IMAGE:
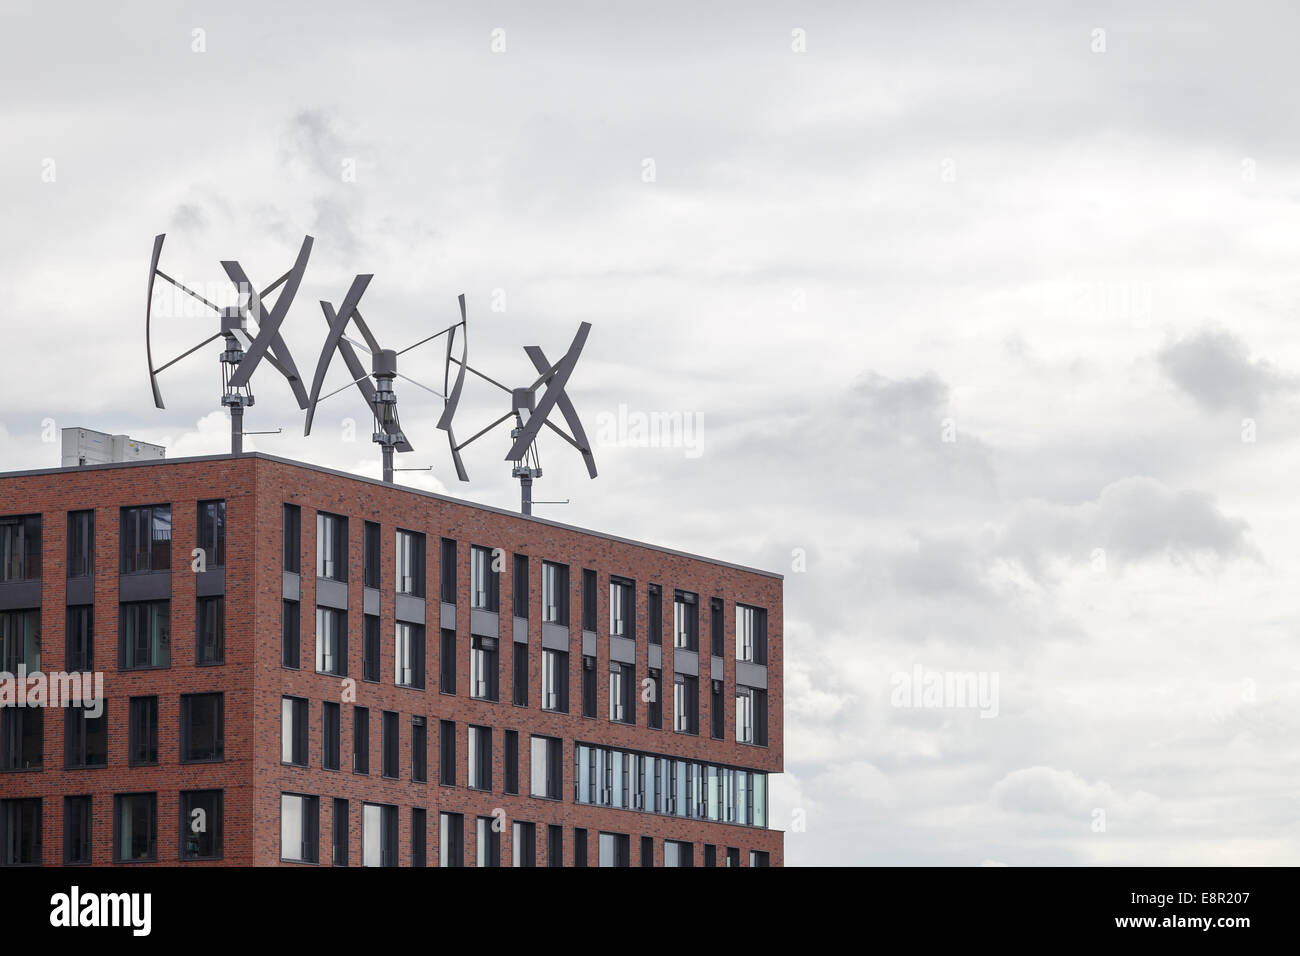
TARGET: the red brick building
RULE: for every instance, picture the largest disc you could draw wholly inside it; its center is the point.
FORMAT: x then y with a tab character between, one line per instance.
303	666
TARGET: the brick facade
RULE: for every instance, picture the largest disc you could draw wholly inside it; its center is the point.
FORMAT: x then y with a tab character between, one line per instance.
255	488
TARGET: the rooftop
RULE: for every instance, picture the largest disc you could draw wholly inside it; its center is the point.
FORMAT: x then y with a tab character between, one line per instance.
403	488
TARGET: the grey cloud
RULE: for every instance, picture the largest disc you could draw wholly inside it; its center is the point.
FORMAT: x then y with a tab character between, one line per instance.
1214	367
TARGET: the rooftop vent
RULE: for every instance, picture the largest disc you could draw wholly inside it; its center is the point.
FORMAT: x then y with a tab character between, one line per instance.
82	446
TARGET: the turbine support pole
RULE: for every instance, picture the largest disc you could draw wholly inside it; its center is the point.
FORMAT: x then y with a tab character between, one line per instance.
236	429
525	494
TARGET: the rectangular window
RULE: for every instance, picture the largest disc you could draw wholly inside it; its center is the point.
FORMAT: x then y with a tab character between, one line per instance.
22	738
579	846
484	579
751	634
733	856
370	648
210	631
419	836
483	668
419	749
299	828
480	758
554	845
331	720
555	593
487	843
146	538
201	824
759	858
451	839
370	557
292	539
79	642
76	830
622	608
447	753
331	547
544	768
360	739
331	641
447	571
744	715
389	744
686	704
715	627
378	834
20	548
81	544
211	533
293	731
622	706
520	674
203	731
520	589
655	610
447	662
588	599
710	855
647	851
655	707
511	761
20	832
717	711
145	635
410	563
678	854
85	738
20	640
143	731
588	686
409	657
555	681
613	849
523	844
290	635
135	828
340	851
686	621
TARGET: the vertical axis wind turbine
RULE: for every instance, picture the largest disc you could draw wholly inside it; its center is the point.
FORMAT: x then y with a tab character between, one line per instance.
237	365
380	395
529	412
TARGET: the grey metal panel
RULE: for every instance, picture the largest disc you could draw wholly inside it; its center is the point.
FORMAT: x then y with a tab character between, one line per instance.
686	662
521	630
145	586
555	637
751	675
447	617
370	601
715	668
656	656
410	609
589	643
19	594
622	650
210	583
332	594
81	590
291	589
484	623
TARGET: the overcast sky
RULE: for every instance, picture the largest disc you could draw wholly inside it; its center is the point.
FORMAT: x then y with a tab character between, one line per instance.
987	312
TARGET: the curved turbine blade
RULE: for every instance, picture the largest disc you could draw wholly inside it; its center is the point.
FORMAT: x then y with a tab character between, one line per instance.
453	394
337	322
148	318
268	326
570	414
554	390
